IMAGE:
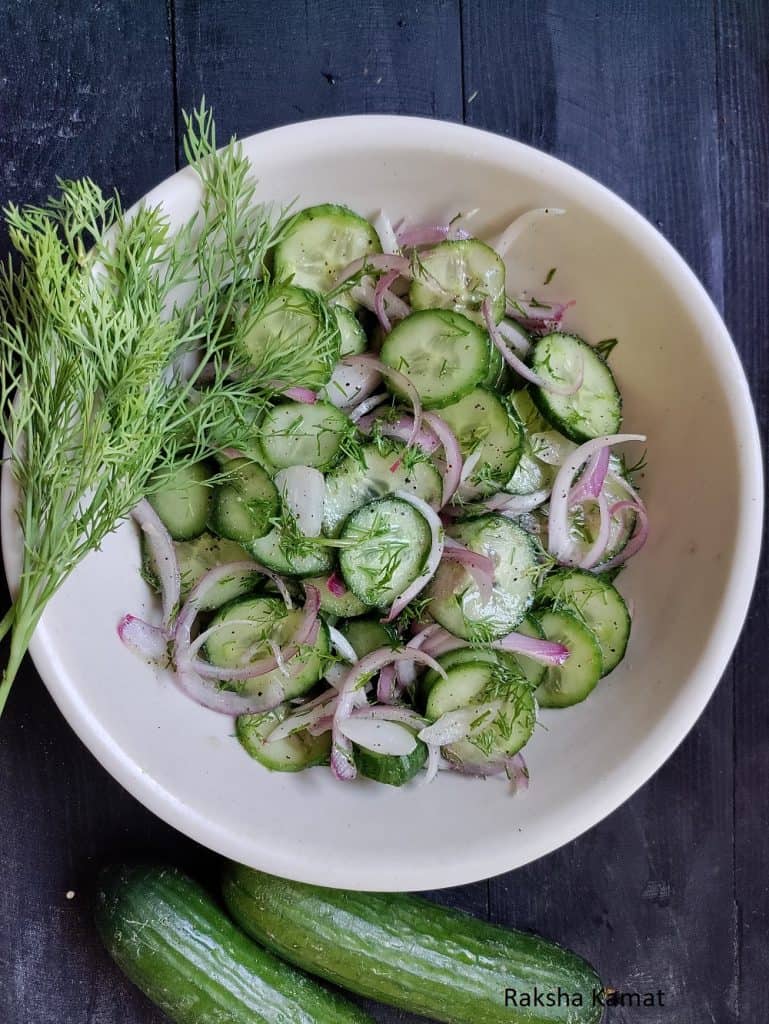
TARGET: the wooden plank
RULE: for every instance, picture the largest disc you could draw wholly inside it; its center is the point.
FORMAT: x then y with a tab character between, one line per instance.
261	65
605	88
84	90
742	32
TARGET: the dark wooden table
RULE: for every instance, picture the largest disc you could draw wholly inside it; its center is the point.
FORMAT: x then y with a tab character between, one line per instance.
668	104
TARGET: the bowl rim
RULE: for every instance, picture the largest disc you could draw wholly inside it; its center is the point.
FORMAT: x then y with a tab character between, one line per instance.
409	132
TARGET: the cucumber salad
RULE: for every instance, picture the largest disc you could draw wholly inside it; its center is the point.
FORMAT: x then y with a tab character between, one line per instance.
394	564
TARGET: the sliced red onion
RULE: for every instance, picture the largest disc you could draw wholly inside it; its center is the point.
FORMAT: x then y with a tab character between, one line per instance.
351	383
361	411
335	674
381	261
590	484
401	381
536	317
406	670
149	641
381	291
429	234
637	541
517	772
342	645
507	239
368	667
433	763
546	652
597	549
306	633
305	718
406	716
225	701
163	554
518	365
386	684
303	395
452	475
458	725
480	566
559	541
342	758
517	504
433	558
363	293
401	430
471	462
303	490
514	339
387	236
379	735
442	642
335	584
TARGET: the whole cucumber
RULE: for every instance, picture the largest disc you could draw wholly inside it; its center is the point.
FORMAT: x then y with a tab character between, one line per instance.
414	954
177	946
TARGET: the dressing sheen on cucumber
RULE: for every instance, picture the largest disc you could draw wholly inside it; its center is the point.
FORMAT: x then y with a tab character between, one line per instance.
176	945
411	953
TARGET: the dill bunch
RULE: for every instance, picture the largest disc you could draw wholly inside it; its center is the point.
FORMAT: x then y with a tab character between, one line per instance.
116	360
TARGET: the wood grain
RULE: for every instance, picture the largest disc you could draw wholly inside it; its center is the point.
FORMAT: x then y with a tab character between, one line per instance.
665	103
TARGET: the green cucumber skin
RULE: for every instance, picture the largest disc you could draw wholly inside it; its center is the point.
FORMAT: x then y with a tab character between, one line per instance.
175	944
409	952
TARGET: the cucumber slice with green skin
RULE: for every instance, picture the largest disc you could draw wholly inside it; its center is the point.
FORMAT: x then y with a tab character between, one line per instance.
570	683
346	606
195	558
388	769
235	644
408	952
355	482
243	508
529	669
496	378
353	339
460	276
443	354
532	419
497	735
455	600
367	635
390	541
321	241
596	603
293	753
295	321
278	552
166	933
182	503
297	434
595	408
483	423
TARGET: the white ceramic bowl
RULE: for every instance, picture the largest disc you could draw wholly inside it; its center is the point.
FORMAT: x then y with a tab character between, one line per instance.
683	385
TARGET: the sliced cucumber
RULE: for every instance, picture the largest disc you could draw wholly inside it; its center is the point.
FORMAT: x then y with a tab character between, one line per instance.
389	769
357	481
442	353
296	434
484	424
596	603
319	242
367	635
595	408
496	735
346	606
353	339
293	753
236	643
390	541
243	507
570	683
460	276
294	321
455	600
282	553
531	473
183	501
195	558
497	377
585	519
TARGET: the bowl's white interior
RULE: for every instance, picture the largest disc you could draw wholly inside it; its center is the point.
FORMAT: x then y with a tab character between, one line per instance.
682	385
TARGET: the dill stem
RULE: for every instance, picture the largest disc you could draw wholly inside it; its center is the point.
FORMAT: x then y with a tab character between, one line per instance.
24	625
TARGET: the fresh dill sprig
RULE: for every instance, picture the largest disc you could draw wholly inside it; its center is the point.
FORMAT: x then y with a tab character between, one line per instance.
101	314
